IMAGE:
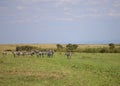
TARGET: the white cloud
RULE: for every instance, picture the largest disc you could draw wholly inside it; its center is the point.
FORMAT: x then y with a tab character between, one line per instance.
66	2
20	7
63	10
65	19
114	14
116	3
32	1
81	2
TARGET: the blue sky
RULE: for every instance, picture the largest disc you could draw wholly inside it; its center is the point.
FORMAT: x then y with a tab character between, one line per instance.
59	21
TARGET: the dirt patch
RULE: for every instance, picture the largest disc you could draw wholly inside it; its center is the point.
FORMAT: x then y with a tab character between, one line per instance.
36	74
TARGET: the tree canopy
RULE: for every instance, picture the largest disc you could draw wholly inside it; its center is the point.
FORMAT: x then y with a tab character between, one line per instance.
71	47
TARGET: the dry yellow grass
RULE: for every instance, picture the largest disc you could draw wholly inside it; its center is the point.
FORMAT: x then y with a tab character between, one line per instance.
7	46
13	46
92	45
44	46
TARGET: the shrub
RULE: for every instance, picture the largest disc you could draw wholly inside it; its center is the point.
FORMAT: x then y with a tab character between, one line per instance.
25	48
71	47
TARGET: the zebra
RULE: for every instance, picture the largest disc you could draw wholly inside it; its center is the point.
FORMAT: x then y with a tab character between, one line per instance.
15	53
68	54
32	53
4	53
39	54
50	53
18	53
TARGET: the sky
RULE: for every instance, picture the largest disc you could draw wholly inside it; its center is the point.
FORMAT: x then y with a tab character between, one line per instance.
59	21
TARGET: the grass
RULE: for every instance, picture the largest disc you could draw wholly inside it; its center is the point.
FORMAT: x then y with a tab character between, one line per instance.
53	46
83	69
13	46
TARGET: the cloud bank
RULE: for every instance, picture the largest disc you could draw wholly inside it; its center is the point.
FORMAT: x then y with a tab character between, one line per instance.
63	10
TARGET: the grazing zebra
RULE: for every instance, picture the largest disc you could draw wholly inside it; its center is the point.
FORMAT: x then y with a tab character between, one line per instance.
32	53
50	53
39	54
4	53
17	53
68	54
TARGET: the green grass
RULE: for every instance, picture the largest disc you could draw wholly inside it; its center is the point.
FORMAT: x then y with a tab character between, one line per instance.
83	69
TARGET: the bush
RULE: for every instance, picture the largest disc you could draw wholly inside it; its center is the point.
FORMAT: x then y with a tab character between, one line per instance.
91	50
71	47
104	50
25	48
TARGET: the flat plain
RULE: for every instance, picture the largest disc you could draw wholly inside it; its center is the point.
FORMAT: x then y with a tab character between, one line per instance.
83	69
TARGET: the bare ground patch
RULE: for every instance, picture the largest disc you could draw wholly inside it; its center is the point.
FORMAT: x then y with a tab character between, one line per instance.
36	74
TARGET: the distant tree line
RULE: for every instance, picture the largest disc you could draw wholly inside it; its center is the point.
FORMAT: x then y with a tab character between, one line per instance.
30	48
74	48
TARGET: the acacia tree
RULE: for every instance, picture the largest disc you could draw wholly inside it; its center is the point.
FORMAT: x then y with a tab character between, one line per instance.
111	46
25	48
59	47
71	47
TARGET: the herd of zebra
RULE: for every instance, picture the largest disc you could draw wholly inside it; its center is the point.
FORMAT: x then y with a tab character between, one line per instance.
48	53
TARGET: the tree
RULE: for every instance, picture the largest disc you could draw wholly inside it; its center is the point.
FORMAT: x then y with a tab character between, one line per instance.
71	47
25	48
111	46
59	47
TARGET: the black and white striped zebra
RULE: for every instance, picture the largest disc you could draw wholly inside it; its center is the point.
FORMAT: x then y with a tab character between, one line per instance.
18	53
68	54
50	53
4	53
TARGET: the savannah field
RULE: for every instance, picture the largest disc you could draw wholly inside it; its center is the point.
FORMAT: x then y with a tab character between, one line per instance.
83	69
44	46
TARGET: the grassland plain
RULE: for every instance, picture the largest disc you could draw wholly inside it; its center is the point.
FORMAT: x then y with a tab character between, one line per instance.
13	46
83	69
53	46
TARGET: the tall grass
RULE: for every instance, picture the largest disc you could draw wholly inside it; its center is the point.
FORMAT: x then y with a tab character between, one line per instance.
83	69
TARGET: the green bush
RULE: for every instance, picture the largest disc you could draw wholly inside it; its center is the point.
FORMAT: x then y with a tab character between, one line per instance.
71	47
25	48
